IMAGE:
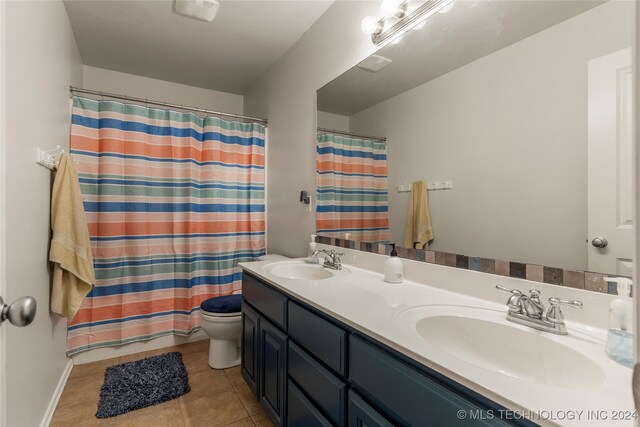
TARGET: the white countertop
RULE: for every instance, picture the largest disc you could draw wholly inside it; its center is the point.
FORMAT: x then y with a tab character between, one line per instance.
361	299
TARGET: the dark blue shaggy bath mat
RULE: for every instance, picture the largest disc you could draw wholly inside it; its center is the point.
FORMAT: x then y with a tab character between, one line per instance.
146	382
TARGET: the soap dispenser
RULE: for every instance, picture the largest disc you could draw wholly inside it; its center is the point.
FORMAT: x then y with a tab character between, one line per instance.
619	346
312	245
393	268
311	256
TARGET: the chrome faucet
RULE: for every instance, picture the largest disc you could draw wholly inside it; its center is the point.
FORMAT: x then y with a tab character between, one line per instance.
530	311
332	258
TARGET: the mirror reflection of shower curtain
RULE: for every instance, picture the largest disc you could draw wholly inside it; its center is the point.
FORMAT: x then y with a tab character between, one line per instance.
352	192
173	203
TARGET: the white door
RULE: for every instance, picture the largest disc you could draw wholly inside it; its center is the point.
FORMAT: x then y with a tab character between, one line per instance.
611	164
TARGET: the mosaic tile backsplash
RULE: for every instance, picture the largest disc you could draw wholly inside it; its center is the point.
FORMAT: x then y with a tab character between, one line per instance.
537	273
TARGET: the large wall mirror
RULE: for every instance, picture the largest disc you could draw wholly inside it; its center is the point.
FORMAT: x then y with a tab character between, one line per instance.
514	118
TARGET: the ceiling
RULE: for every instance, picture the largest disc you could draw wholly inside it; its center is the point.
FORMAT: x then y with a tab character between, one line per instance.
471	30
230	54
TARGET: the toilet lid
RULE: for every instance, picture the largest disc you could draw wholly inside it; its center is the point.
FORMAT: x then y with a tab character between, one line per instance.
227	304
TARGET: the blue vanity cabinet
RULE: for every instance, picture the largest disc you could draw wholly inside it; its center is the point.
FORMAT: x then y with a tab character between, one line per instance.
303	413
406	396
267	301
264	346
327	391
309	369
321	338
249	354
361	414
272	376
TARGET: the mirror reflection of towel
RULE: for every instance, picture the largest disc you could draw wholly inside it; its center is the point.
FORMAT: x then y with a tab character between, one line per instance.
73	274
418	231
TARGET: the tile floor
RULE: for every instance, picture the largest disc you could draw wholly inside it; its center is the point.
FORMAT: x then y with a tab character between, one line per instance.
217	397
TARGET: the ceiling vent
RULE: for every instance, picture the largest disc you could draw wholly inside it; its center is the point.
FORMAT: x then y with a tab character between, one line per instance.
374	63
205	10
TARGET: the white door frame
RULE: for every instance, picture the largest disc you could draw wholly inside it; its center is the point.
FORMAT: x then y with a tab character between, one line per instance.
3	215
636	268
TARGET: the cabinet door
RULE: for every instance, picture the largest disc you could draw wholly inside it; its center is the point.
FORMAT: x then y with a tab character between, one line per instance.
272	370
250	356
363	415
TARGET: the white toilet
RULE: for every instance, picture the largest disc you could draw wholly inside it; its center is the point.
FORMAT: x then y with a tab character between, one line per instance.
221	320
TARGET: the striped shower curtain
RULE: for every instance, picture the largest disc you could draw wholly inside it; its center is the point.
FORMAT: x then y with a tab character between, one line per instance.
352	198
173	202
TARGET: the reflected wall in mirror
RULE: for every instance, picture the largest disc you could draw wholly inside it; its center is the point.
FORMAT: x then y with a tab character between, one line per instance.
517	115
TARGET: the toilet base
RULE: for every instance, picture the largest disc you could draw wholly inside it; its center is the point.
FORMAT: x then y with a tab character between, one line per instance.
224	354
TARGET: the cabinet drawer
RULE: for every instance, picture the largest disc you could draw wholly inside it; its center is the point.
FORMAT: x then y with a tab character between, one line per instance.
323	339
301	412
265	299
363	415
324	388
403	394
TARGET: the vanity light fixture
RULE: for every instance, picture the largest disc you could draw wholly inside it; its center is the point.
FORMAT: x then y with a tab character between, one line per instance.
398	19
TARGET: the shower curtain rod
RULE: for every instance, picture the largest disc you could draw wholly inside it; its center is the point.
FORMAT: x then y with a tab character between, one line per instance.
73	89
358	135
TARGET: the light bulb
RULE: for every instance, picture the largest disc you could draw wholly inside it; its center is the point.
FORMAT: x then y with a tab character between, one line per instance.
447	8
392	8
370	25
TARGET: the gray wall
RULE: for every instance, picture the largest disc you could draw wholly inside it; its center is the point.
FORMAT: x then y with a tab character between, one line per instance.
160	90
510	130
287	96
333	121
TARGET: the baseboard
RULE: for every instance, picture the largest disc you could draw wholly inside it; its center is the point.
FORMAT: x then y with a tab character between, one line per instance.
104	353
56	395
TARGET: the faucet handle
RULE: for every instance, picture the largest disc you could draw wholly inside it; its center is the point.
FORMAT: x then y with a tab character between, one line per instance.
336	255
554	314
513	291
571	303
514	302
534	296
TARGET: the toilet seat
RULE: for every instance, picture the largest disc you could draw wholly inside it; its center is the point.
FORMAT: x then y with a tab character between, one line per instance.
220	315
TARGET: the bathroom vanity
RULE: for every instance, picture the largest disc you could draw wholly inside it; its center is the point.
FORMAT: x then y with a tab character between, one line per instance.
345	348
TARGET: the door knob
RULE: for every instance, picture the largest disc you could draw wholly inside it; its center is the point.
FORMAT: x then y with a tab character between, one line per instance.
21	312
600	242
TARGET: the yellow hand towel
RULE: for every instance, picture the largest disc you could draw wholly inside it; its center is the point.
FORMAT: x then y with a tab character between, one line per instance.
418	231
73	274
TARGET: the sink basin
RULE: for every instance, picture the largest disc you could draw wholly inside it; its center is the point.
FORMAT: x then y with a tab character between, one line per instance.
298	270
483	338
